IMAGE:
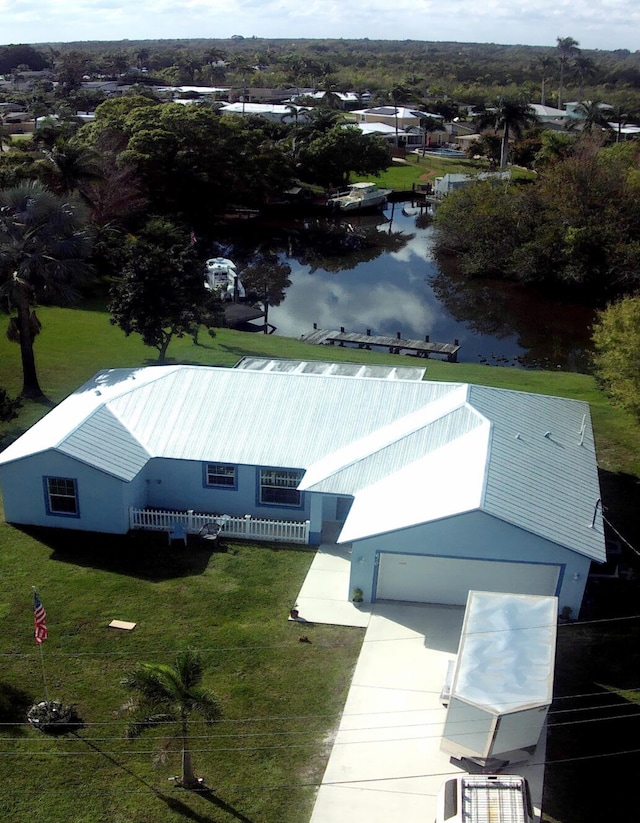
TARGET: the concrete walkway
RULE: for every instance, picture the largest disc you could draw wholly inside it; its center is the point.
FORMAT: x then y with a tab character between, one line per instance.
386	762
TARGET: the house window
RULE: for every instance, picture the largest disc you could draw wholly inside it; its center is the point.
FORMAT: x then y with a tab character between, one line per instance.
218	474
61	496
278	487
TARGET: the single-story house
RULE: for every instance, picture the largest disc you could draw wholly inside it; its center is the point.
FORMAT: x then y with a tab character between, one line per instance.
450	182
437	488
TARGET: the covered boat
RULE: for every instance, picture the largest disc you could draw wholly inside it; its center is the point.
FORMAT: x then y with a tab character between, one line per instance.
221	278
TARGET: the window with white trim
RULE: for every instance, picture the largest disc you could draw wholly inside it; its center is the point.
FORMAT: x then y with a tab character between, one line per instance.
219	474
62	496
279	487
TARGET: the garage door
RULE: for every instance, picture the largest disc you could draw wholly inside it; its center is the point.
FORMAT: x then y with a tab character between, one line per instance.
420	579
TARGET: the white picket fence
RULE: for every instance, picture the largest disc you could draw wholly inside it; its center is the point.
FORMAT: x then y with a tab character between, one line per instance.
247	527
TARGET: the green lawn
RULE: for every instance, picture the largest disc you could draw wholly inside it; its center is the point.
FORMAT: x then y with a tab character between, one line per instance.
281	697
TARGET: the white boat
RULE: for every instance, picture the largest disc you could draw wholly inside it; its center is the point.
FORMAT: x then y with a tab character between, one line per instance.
359	196
221	278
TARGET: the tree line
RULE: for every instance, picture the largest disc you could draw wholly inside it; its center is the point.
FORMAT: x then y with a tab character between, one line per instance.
119	201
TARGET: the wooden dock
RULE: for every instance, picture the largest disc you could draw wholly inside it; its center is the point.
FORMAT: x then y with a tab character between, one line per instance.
395	345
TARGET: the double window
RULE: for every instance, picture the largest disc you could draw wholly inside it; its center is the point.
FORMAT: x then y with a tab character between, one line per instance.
220	475
61	496
279	487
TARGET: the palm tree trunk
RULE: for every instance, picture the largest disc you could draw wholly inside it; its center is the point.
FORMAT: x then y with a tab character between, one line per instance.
504	150
30	385
188	778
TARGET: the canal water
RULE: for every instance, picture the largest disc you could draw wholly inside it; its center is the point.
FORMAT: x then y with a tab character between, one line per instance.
377	272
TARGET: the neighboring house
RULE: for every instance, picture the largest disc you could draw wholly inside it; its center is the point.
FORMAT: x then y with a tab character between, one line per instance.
412	138
395	115
450	182
577	111
270	111
549	114
438	488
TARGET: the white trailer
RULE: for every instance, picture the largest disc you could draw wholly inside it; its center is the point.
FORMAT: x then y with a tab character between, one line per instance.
485	798
503	679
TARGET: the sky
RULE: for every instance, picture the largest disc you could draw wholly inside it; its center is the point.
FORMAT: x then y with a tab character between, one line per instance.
595	24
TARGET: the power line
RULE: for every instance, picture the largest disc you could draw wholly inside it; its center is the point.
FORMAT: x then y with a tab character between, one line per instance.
290	645
289	745
307	717
358	782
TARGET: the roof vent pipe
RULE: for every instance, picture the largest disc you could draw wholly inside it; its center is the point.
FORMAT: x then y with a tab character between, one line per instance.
548	435
595	512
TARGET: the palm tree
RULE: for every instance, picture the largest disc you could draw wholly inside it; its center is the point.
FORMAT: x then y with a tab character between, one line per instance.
568	49
543	64
169	695
69	165
44	246
584	69
591	116
510	116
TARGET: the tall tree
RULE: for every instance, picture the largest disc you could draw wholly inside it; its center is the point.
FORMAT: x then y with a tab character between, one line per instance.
169	695
584	69
509	116
69	166
331	157
161	291
616	337
567	50
269	279
544	64
44	246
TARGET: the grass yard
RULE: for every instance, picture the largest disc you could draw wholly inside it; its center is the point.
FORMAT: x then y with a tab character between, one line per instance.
281	698
415	169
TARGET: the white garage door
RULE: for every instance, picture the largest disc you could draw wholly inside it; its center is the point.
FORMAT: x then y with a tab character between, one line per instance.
420	579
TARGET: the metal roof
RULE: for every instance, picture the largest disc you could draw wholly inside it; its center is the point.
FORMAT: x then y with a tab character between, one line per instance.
507	651
412	451
341	369
542	475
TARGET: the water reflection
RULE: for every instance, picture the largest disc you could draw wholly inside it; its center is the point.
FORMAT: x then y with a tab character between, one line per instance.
377	273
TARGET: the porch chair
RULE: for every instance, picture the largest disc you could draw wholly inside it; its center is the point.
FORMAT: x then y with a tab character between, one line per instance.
177	532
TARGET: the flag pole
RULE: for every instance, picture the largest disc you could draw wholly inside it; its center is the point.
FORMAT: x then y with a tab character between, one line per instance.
44	677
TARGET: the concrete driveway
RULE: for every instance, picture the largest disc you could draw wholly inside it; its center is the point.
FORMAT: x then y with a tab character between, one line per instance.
386	762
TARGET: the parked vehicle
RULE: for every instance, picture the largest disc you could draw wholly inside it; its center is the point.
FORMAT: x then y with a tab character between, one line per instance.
485	798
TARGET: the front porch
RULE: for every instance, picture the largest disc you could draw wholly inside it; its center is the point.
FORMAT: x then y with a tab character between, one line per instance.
246	527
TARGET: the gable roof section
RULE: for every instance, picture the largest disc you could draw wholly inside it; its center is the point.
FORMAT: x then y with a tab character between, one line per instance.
542	475
393	445
112	446
446	479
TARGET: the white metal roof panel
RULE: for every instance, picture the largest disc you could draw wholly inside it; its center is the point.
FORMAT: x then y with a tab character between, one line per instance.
341	369
388	457
103	441
53	429
507	649
429	488
543	474
280	419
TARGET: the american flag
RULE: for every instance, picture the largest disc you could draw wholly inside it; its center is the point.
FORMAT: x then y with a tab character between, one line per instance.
39	619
